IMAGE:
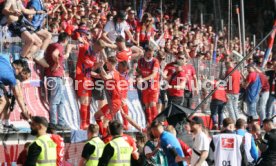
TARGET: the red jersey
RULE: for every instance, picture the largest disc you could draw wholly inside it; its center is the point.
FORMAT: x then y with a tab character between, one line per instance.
177	79
145	33
233	85
219	94
112	86
251	78
190	73
49	58
60	148
147	68
124	55
124	84
86	60
185	148
265	83
170	68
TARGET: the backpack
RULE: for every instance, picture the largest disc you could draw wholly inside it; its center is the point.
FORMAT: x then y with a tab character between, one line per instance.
3	18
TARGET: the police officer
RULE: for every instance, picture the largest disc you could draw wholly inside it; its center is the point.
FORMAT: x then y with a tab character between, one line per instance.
117	152
93	149
42	152
268	157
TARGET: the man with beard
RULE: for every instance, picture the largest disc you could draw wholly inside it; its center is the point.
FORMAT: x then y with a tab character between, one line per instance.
43	149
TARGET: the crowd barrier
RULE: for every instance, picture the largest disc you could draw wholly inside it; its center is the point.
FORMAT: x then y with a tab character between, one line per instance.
35	96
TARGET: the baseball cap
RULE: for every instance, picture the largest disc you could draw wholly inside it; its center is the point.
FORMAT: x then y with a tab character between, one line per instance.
40	120
196	120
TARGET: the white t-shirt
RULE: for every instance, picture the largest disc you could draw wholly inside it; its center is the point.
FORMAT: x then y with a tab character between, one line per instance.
201	143
114	31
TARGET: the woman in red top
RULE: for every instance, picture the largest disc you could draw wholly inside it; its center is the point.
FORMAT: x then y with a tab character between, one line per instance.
218	102
145	30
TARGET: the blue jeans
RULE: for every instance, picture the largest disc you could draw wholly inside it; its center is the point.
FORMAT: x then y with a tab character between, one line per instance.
262	105
271	106
216	107
56	98
232	105
252	108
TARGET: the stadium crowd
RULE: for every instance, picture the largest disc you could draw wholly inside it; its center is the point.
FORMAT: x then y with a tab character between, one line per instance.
154	54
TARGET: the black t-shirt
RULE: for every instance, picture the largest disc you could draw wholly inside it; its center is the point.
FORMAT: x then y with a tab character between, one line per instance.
33	153
271	74
106	156
270	139
88	149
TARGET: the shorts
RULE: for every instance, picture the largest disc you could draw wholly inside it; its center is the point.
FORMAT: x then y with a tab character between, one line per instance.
98	94
84	88
149	96
115	106
20	26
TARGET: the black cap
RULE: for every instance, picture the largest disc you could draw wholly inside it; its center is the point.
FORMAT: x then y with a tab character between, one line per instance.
196	120
40	120
121	15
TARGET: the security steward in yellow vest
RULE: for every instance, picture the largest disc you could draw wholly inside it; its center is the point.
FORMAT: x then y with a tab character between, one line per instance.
42	152
93	149
117	152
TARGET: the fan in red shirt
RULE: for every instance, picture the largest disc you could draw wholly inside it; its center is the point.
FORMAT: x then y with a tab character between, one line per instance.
85	65
123	70
177	81
191	83
148	68
233	90
60	145
132	21
112	79
219	99
60	148
125	53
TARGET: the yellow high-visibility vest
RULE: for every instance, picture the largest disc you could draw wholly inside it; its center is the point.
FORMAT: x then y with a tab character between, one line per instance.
122	152
48	154
99	147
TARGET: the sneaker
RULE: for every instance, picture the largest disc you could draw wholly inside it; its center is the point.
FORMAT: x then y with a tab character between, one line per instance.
59	127
10	127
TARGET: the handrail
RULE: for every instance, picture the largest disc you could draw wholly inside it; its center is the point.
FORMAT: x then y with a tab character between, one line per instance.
235	68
